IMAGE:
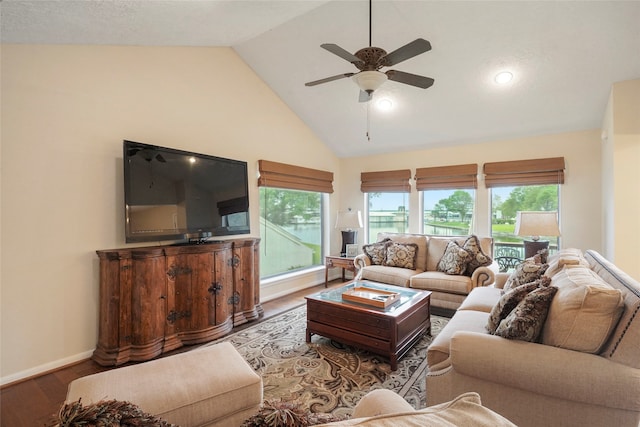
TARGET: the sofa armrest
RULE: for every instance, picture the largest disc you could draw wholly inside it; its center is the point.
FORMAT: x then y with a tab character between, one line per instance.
361	261
484	276
545	370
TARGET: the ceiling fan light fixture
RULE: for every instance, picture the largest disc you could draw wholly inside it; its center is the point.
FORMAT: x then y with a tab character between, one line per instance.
369	81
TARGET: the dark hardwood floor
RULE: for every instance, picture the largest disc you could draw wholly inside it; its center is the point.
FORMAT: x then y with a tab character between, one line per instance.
33	401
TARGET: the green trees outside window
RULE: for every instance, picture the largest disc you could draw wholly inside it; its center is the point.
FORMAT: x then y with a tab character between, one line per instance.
290	230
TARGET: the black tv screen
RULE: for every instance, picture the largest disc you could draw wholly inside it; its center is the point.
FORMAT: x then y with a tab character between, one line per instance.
174	195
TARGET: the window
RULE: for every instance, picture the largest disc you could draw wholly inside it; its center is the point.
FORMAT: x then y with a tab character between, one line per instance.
448	212
290	230
291	216
388	213
448	198
506	202
522	185
387	200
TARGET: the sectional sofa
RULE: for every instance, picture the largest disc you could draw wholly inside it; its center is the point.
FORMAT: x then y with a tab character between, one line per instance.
583	369
413	260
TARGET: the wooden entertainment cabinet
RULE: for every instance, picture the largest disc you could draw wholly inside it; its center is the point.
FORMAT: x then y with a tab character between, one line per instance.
156	299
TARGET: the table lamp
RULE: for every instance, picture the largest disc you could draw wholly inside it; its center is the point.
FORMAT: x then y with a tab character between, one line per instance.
348	221
535	224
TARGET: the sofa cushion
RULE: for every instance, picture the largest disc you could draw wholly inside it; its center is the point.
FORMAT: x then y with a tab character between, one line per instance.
468	321
464	410
525	322
478	257
377	252
567	256
454	260
481	299
418	239
439	281
525	272
584	312
391	275
401	255
507	303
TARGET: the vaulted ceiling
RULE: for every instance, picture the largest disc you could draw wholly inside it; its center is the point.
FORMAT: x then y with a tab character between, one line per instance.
564	57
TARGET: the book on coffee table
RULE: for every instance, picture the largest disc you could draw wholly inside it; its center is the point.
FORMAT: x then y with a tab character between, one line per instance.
371	296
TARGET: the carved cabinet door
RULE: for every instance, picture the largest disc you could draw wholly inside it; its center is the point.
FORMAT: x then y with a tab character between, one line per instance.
245	279
148	305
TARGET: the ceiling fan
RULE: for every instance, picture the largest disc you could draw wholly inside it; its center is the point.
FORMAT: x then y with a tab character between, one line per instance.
370	60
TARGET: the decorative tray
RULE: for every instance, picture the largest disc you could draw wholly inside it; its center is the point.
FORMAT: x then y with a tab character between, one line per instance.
375	297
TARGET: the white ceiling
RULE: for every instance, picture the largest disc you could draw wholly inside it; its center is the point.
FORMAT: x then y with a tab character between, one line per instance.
565	55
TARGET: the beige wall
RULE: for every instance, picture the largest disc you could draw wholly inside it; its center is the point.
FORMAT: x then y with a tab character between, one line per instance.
621	176
580	215
65	111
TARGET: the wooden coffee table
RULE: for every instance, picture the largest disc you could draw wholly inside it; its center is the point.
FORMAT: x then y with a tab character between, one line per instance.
390	331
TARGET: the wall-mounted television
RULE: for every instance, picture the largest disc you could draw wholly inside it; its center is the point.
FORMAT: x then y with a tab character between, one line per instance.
179	195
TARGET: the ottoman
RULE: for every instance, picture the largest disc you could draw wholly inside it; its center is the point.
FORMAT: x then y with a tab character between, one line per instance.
210	386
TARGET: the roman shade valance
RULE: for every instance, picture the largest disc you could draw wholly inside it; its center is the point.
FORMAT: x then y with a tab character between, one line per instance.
524	172
386	181
281	175
447	177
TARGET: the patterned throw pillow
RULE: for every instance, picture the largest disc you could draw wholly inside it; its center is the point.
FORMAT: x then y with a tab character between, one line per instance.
525	272
507	303
401	255
478	258
525	322
377	252
455	259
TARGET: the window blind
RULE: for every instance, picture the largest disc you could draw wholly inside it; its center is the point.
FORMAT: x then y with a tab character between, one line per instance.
281	175
386	181
447	177
524	172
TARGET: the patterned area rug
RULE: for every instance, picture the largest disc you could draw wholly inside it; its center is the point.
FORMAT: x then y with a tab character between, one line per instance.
328	376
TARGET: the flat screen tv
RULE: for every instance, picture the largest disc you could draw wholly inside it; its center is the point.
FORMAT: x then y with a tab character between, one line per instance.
178	195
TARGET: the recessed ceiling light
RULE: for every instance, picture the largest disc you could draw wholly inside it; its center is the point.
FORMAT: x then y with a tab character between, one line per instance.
503	77
384	104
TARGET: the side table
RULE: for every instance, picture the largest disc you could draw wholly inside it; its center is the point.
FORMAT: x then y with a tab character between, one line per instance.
333	261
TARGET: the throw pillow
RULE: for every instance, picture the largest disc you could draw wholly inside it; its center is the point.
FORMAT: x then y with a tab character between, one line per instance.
377	252
507	303
584	312
525	272
105	413
525	322
478	258
455	259
401	255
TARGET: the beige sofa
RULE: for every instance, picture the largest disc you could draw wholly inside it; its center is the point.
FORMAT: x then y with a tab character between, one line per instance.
448	290
584	370
384	408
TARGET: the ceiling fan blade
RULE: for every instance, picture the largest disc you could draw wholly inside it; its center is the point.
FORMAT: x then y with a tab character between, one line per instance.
337	50
410	79
329	79
407	51
365	96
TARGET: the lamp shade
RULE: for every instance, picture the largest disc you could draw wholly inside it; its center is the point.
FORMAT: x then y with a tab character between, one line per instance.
349	220
536	224
369	81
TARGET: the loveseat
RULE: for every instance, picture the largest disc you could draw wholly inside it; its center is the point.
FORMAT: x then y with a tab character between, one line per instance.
384	408
582	369
413	260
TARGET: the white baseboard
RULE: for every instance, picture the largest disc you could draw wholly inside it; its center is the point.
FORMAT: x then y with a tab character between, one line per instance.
47	367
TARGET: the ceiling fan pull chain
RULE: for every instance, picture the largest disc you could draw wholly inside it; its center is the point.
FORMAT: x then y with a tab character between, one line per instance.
368	121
